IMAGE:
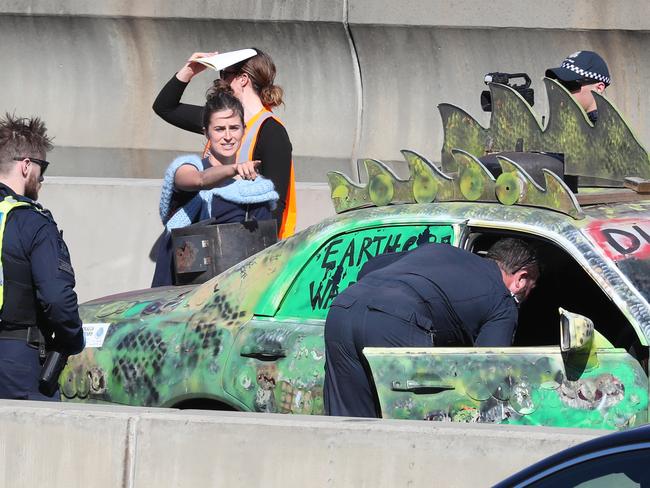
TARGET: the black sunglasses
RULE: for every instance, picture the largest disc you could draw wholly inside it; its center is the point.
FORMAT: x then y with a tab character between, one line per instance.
41	162
575	85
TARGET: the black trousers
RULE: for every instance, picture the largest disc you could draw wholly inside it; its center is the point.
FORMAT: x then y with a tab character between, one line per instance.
19	370
351	325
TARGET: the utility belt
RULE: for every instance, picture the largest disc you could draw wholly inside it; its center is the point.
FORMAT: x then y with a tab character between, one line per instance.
52	362
31	335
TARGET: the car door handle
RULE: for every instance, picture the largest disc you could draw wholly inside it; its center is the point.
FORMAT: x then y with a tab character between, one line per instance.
421	387
264	355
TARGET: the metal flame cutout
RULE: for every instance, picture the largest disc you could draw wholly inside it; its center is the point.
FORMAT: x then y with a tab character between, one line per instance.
473	183
607	149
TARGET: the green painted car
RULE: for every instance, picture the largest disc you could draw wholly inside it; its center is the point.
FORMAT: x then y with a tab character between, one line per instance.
251	339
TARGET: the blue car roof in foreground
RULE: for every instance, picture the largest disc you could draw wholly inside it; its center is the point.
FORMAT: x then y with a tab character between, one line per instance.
632	437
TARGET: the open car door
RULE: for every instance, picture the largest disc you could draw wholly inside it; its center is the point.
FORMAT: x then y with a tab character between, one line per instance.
584	382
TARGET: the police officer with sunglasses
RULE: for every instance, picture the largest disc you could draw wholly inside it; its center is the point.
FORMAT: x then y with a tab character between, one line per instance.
38	306
582	73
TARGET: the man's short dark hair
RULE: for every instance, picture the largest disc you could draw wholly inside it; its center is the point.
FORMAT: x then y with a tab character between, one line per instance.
22	137
513	255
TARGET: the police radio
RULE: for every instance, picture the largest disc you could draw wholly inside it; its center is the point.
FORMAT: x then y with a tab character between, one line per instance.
48	380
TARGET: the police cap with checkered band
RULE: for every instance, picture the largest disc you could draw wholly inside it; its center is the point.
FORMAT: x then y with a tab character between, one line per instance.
581	66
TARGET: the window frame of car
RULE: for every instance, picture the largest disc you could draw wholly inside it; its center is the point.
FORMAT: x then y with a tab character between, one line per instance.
571	241
456	224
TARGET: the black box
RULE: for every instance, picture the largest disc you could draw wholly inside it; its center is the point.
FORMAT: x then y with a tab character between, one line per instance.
205	249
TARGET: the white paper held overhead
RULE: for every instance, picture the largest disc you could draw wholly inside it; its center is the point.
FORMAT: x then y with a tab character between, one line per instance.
223	60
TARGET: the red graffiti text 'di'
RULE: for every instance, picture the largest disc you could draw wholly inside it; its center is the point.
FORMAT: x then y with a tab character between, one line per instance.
622	238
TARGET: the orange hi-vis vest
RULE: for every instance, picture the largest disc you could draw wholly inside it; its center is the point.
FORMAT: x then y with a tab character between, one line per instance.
245	153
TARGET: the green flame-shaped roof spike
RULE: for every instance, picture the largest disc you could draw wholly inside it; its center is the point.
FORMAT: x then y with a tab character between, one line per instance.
515	186
473	183
607	149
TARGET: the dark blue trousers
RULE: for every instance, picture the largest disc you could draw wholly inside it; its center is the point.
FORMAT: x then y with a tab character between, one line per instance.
352	325
163	274
19	371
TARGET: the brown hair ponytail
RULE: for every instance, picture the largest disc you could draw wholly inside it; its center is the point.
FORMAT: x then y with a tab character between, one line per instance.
271	96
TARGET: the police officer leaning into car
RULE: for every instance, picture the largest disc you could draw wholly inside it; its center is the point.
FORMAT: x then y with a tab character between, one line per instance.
434	295
38	305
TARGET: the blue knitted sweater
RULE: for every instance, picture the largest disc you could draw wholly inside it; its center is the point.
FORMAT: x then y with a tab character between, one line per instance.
199	207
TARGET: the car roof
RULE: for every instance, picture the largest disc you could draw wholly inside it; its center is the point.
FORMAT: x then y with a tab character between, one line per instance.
639	436
617	208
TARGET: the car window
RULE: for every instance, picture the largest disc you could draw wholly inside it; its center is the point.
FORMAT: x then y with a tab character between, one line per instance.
622	470
563	283
336	264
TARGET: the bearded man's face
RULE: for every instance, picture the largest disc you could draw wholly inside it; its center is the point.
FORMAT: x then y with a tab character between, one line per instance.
33	183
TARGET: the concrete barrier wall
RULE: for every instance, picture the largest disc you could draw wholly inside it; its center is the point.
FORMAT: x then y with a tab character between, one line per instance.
94	79
68	445
553	14
112	224
362	78
431	65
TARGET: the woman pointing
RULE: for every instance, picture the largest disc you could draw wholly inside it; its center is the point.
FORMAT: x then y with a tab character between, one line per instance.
265	138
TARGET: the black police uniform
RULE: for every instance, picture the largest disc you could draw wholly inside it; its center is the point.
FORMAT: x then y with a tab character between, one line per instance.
435	295
38	294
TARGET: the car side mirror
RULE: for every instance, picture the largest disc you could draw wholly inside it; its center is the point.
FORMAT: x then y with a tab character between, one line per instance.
576	332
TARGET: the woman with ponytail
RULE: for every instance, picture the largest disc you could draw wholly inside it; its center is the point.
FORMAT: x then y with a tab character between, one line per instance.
266	140
214	187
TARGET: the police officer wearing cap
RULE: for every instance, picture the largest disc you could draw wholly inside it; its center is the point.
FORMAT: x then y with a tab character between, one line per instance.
581	73
38	305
